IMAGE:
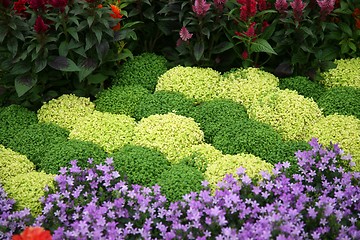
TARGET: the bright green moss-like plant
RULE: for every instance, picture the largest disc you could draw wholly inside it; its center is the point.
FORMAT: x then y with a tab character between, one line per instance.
346	74
341	100
163	102
287	112
169	133
143	69
247	85
120	99
303	85
27	189
194	82
140	165
12	164
66	110
341	129
110	131
61	154
179	180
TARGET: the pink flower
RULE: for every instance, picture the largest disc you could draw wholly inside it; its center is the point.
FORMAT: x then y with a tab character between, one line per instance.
200	7
327	6
40	26
281	6
251	30
298	7
184	34
219	4
262	4
245	55
248	9
60	4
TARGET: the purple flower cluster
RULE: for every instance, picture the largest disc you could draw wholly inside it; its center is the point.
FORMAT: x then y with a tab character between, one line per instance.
322	201
11	221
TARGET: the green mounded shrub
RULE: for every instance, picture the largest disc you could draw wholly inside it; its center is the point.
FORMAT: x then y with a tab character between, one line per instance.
140	165
303	85
120	99
14	118
341	129
194	82
346	74
229	164
61	154
65	110
287	112
341	100
217	114
169	133
143	69
13	163
246	85
162	102
179	180
110	131
33	141
27	189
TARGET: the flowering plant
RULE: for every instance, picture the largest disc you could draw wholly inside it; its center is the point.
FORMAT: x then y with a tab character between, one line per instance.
33	233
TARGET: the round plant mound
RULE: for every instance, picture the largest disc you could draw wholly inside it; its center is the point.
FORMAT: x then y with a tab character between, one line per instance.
140	165
12	164
194	82
287	112
27	189
217	114
346	74
341	100
120	99
61	154
144	70
169	133
247	85
304	86
229	164
110	131
65	110
163	102
180	180
341	129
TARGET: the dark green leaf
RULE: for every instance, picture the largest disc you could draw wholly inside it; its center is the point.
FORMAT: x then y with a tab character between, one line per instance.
87	66
73	32
261	45
23	84
206	32
198	50
97	78
90	40
40	64
149	14
90	20
222	47
63	64
12	46
345	28
20	68
63	48
97	32
102	49
3	32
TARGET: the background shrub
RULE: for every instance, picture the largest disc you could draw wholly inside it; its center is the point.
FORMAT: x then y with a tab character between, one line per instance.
303	85
341	100
143	69
287	112
140	165
65	110
163	102
120	99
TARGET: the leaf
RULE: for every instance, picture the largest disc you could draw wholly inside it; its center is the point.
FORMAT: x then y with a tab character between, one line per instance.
261	45
90	41
12	46
98	33
206	32
90	20
20	68
97	78
87	66
40	64
327	54
63	48
345	28
149	13
198	50
3	32
102	49
63	64
222	47
73	32
23	84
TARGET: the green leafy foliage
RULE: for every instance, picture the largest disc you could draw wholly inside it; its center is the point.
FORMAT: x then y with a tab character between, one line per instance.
140	165
303	85
287	154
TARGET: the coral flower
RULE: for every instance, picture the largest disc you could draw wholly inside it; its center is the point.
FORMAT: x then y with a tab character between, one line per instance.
33	233
116	11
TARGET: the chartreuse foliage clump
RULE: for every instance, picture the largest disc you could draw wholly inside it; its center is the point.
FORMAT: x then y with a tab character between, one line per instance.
27	189
65	110
341	100
346	74
120	99
194	82
247	85
341	129
179	180
13	163
140	165
61	154
303	85
217	114
163	102
287	112
14	118
143	70
110	131
169	133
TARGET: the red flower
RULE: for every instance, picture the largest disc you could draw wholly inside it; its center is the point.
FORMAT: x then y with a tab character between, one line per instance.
265	24
251	30
116	11
219	4
247	10
356	12
281	6
40	26
33	233
262	4
37	4
19	7
200	7
5	3
245	55
59	4
357	23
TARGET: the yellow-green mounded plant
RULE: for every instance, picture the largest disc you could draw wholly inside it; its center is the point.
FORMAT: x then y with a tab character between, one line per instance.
247	85
65	110
193	82
109	131
288	112
169	133
341	129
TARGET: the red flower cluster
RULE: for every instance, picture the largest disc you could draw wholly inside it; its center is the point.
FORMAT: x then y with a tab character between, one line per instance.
59	4
19	7
356	15
33	233
248	9
37	4
40	26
